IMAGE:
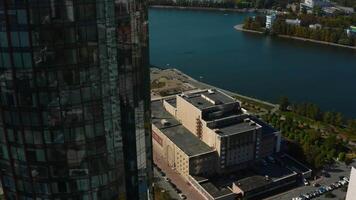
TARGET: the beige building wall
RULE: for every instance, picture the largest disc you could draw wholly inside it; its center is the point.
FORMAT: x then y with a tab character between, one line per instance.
209	136
158	141
187	114
176	158
171	109
182	163
164	147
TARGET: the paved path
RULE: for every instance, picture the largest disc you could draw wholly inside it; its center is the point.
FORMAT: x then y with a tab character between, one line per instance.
178	180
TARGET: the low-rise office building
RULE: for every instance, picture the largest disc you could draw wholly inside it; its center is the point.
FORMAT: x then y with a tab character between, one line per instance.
351	31
218	120
211	125
310	4
270	20
294	22
178	146
207	137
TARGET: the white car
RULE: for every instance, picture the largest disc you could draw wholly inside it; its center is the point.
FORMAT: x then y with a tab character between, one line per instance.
306	182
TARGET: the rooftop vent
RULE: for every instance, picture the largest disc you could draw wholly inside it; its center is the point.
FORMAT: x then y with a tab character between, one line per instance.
164	122
247	120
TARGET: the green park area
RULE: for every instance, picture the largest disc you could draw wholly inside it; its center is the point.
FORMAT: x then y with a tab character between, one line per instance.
314	136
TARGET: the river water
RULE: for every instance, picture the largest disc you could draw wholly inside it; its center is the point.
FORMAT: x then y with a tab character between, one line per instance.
205	45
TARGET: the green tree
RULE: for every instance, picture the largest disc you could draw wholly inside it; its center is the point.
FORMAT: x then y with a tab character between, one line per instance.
341	156
338	119
328	117
352	125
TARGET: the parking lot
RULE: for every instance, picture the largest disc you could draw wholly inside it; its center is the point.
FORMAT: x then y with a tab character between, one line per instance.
332	174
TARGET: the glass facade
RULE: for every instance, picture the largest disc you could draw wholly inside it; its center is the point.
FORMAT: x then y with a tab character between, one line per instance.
74	106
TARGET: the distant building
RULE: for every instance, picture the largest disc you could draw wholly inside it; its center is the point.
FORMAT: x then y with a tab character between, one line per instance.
314	3
347	10
270	20
315	26
295	22
351	192
351	31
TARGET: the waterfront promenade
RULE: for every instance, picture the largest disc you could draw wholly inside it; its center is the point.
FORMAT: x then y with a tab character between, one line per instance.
239	27
198	85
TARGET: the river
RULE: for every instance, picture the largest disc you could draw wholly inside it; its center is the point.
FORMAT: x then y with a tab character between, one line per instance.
205	45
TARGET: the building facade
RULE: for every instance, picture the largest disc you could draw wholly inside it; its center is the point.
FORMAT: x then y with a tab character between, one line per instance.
351	193
178	147
270	20
216	120
74	111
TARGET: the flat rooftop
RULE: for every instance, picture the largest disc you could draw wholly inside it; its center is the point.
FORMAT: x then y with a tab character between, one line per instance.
266	128
208	98
180	136
215	191
172	101
293	164
237	128
273	171
252	182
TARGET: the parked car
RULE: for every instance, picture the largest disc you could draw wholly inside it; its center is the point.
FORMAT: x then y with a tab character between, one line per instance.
316	184
306	182
343	182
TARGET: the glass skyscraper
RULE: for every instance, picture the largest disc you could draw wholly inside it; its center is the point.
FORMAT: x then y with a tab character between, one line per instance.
74	107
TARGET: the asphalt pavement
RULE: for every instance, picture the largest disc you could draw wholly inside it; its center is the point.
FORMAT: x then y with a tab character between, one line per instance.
334	173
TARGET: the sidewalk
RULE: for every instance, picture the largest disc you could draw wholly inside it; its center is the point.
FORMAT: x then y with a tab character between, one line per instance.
183	185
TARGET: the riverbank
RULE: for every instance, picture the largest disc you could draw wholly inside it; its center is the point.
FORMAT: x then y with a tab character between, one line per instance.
239	27
175	81
243	10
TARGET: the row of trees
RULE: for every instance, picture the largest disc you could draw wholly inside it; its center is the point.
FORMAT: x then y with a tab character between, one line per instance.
255	23
204	4
260	4
333	27
333	35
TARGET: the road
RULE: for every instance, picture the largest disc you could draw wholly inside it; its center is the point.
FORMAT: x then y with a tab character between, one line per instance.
159	180
177	179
